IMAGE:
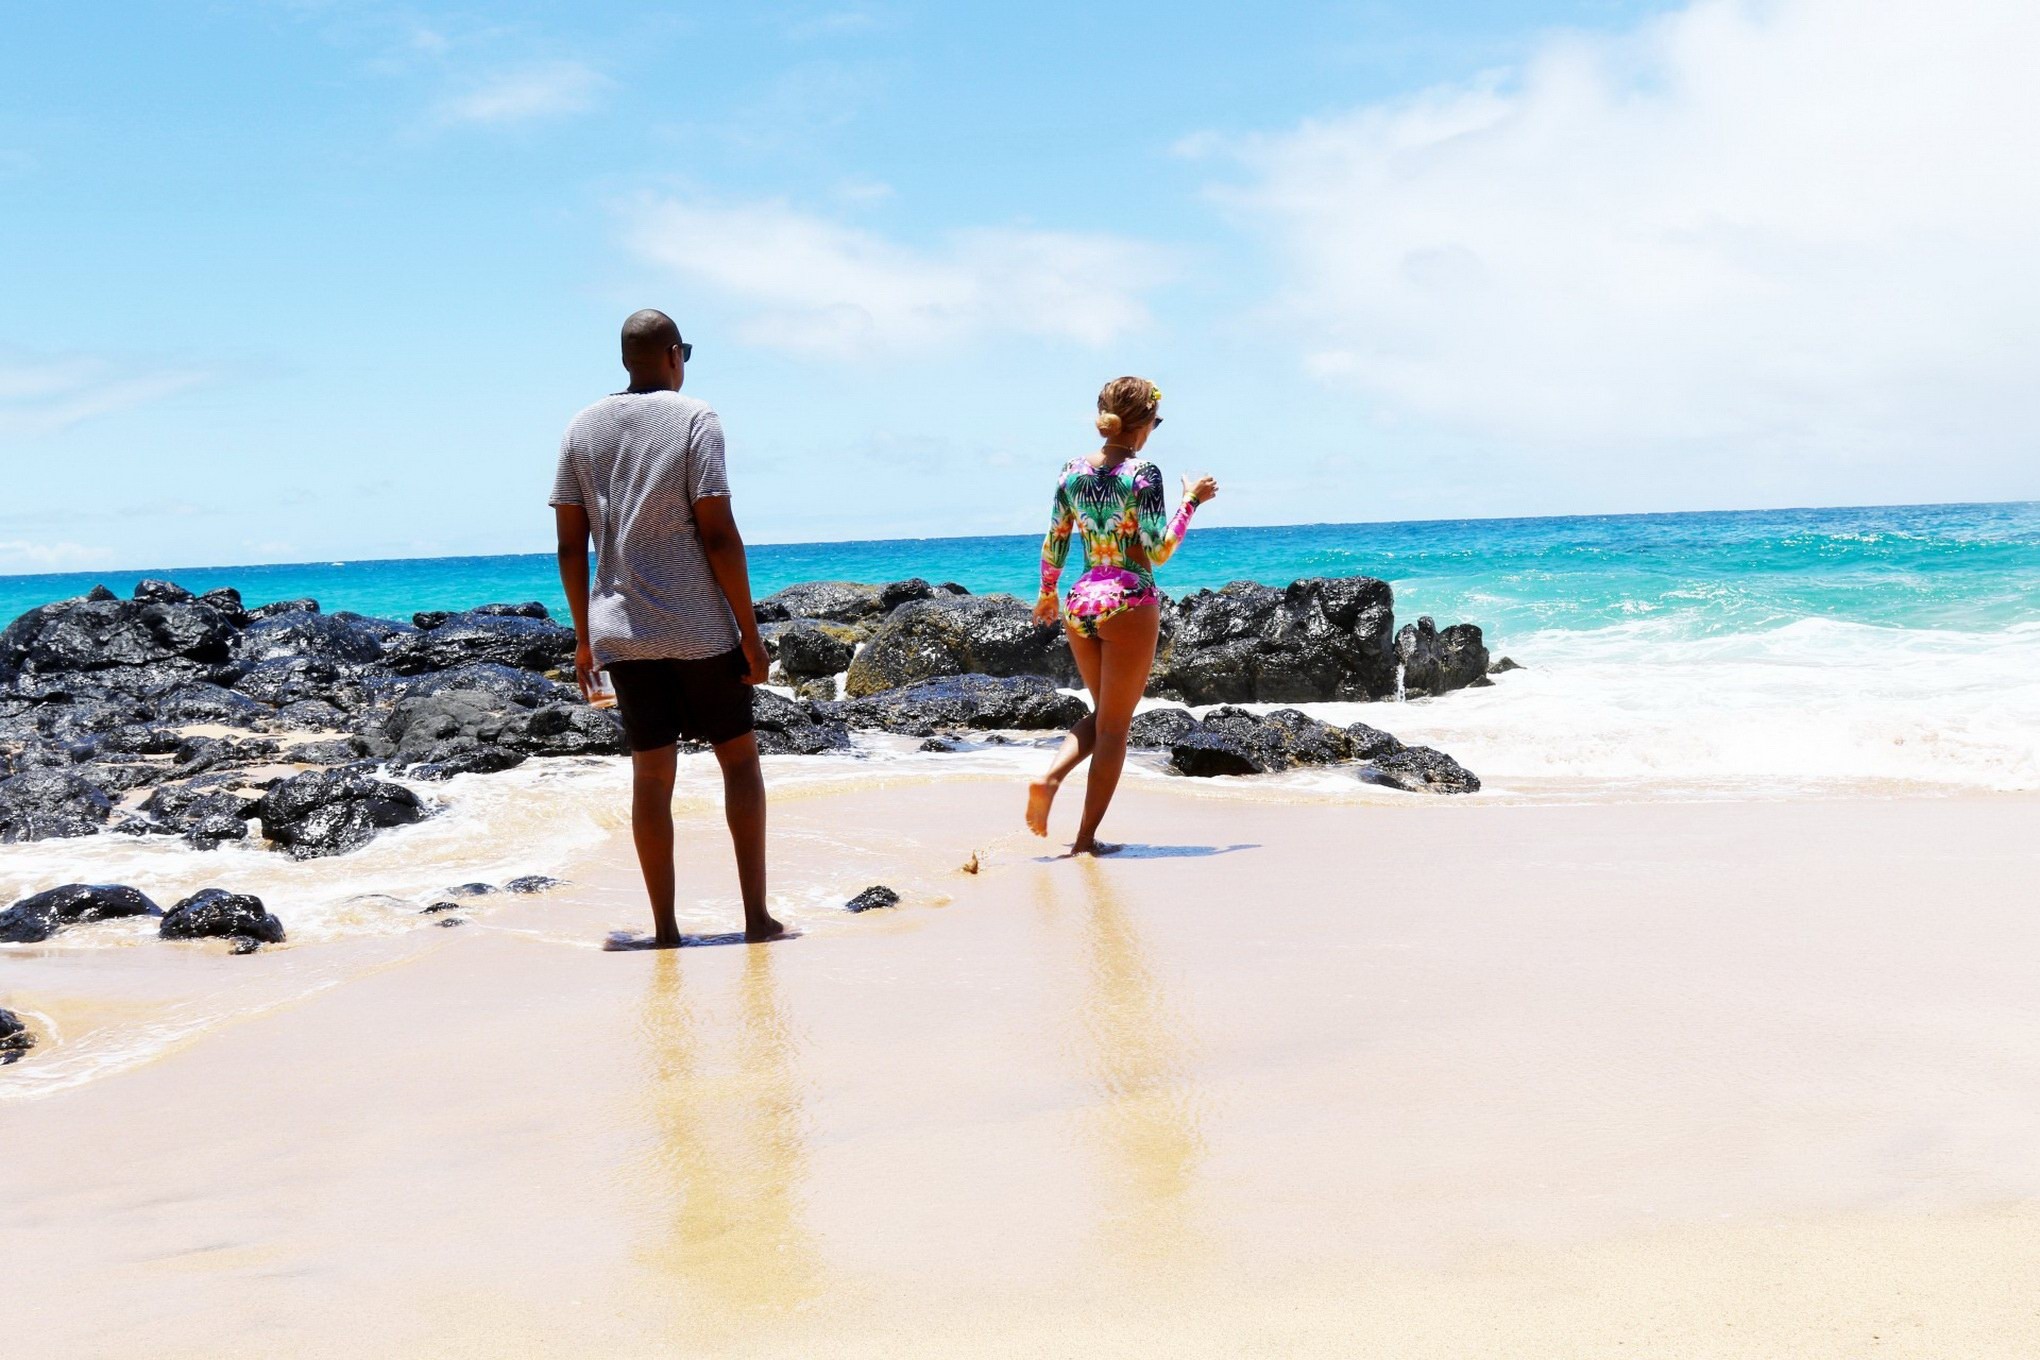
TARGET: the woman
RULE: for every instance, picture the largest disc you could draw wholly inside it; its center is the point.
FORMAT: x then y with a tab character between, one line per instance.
1114	499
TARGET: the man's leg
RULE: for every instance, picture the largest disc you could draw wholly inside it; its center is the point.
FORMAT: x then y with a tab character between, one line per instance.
651	826
744	807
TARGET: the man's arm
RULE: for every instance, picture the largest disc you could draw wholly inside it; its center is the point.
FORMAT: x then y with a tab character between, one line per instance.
572	525
724	547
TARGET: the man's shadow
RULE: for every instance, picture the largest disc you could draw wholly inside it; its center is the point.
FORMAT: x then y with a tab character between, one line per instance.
624	941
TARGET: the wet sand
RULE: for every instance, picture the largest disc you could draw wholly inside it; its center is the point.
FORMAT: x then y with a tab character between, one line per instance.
1412	1079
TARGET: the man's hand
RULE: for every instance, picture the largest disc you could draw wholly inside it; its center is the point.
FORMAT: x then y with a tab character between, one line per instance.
1047	609
759	665
584	669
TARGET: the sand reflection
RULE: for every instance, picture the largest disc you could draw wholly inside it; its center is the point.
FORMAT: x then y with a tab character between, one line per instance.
1137	1052
727	1157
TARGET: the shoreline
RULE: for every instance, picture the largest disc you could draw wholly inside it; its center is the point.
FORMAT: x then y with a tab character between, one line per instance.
1714	1079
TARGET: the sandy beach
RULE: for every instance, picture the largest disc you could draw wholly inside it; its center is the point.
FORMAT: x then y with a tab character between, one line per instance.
1734	1078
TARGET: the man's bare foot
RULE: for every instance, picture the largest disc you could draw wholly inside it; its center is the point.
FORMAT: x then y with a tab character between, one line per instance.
768	929
1040	797
1095	847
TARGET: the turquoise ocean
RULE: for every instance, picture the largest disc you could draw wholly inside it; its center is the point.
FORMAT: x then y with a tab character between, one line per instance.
1746	651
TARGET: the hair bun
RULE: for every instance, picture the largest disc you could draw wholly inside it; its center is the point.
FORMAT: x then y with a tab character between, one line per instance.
1109	423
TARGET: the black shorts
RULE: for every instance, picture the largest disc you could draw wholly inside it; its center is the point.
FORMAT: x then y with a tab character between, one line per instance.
665	701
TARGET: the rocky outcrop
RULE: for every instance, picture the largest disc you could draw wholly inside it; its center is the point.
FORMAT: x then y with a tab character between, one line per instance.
1233	741
788	727
477	638
962	701
1321	639
531	609
330	812
215	913
806	652
98	694
48	803
968	635
443	732
1330	638
847	601
1435	662
36	918
336	639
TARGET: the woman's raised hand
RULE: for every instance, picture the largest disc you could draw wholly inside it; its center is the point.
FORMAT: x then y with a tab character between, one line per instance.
1201	490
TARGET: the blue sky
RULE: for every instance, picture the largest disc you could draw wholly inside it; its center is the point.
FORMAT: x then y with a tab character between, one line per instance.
322	280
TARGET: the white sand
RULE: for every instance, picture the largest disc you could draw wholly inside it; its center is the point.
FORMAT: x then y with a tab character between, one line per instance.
1430	1079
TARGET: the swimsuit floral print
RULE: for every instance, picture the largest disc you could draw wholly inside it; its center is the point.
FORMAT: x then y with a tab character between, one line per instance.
1118	511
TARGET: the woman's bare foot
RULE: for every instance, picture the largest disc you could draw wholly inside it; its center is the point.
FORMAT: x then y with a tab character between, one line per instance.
1095	847
1040	797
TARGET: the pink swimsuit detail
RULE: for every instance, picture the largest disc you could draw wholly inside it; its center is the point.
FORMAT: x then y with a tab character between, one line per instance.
1118	511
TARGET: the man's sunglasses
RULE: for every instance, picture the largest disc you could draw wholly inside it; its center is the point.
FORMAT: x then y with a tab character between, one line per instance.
686	352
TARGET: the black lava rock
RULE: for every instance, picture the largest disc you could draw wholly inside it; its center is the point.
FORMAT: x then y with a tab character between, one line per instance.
41	916
217	913
1159	728
958	635
568	729
1205	754
16	1038
278	608
532	883
165	592
340	640
463	755
836	601
50	803
873	898
1436	662
962	701
470	638
787	727
807	653
1420	769
181	807
1322	638
210	833
329	812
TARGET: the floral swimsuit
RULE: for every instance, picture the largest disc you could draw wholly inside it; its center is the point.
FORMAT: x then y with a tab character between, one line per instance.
1119	512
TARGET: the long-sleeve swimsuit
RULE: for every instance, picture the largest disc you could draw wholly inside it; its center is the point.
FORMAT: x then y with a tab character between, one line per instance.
1118	512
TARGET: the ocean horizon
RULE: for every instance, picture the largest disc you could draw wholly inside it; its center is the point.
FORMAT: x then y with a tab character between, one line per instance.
1953	565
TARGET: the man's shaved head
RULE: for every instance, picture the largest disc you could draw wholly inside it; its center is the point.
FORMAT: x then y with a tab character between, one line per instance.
648	337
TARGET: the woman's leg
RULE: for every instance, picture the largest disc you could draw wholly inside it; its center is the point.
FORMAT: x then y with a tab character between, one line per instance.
1076	746
1127	655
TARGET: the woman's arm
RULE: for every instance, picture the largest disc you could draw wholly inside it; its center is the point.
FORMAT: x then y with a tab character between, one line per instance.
1055	550
1162	539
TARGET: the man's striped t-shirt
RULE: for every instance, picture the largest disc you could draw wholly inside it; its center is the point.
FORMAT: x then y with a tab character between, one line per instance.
637	462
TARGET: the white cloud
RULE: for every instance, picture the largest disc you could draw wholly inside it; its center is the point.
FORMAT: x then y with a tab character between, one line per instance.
523	95
40	396
809	285
19	554
1806	227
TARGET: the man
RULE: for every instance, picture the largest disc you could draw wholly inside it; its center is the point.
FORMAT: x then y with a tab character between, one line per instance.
669	616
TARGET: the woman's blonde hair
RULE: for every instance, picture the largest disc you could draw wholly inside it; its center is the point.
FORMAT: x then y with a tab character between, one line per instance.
1126	404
